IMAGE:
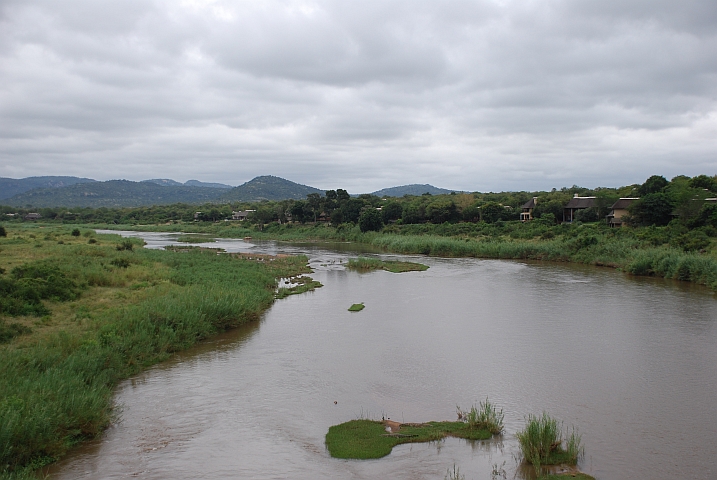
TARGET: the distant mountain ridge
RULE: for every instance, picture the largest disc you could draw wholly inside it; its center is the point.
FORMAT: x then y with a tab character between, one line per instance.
113	193
9	187
168	182
37	192
413	189
125	193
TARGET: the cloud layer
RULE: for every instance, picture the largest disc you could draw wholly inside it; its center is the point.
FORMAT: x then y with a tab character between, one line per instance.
473	95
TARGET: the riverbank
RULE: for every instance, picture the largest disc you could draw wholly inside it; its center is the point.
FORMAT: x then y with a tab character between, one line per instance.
651	251
84	311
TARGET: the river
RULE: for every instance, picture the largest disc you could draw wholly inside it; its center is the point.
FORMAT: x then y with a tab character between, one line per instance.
631	362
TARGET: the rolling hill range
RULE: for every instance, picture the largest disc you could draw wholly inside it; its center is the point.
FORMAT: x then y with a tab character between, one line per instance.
124	193
36	192
9	187
113	193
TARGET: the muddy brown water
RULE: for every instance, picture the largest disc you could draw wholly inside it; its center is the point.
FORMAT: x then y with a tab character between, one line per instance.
631	362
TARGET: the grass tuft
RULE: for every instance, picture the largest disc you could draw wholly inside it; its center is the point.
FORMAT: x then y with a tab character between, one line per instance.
357	307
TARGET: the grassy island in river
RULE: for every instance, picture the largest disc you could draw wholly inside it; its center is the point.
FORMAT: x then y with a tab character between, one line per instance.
364	439
363	264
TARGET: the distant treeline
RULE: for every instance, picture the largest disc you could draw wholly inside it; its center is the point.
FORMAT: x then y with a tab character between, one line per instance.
660	201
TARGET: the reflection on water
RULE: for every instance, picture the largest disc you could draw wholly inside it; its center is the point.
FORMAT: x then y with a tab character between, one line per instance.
631	362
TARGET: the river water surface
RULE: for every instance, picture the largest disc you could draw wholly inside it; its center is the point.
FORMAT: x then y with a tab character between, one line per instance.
631	362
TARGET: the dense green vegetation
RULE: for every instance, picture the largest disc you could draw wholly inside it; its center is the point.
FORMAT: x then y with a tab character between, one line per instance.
357	307
85	315
364	264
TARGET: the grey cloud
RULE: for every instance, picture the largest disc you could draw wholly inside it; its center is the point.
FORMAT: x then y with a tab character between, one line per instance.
464	94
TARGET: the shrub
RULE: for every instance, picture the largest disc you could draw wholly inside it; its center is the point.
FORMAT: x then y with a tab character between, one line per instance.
3	233
76	232
125	244
8	331
120	262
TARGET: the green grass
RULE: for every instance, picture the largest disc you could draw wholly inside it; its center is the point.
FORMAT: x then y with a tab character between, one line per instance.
126	310
364	439
485	416
195	239
303	287
564	476
542	442
364	264
357	307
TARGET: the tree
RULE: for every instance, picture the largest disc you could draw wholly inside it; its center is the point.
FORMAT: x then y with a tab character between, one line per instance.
652	209
351	210
370	220
471	213
391	212
704	182
441	210
313	200
413	212
342	195
491	212
297	211
654	184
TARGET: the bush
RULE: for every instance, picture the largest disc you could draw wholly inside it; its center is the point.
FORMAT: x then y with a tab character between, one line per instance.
125	244
3	233
120	262
694	240
76	232
8	331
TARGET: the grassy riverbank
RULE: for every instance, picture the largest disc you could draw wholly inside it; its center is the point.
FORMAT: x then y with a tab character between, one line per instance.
91	310
667	252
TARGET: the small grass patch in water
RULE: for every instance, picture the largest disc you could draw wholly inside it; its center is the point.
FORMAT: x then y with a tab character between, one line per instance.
563	476
363	264
305	284
357	307
541	443
364	439
195	239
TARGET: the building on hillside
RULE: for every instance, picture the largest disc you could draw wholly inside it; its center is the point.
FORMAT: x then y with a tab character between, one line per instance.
527	213
577	203
618	210
241	215
33	216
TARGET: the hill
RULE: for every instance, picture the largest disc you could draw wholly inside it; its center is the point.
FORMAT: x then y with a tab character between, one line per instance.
197	183
114	193
268	187
9	187
165	182
168	182
413	189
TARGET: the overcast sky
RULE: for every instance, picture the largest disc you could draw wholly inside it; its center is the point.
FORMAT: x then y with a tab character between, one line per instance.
472	95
